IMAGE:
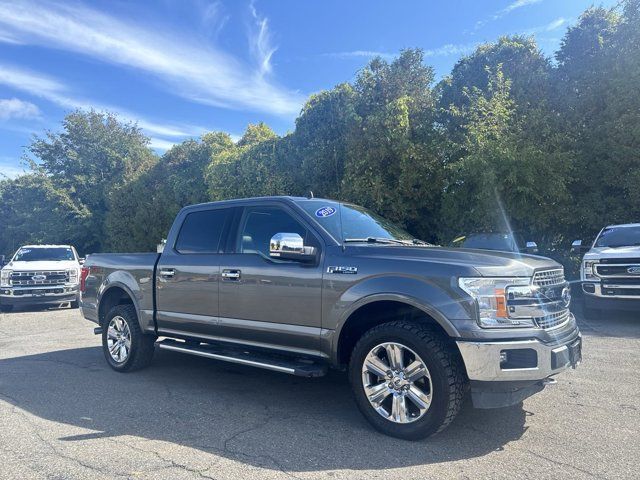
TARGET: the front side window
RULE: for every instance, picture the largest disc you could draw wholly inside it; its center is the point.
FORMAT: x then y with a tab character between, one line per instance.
44	255
262	223
201	231
614	237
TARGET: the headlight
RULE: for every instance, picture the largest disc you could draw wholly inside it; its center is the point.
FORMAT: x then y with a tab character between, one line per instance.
73	275
5	276
491	296
589	269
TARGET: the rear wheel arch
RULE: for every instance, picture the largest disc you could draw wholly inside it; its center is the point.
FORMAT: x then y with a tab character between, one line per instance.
383	309
112	296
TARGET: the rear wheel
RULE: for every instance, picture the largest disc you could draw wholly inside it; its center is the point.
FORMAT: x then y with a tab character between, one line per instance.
407	381
124	344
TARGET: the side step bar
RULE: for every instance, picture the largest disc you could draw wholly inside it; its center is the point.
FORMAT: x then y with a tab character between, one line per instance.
301	367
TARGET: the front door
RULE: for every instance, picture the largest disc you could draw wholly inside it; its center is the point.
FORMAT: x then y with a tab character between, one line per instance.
188	273
266	301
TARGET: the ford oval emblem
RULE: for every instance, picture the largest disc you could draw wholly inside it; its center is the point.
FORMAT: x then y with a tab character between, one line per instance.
566	296
635	270
38	278
325	212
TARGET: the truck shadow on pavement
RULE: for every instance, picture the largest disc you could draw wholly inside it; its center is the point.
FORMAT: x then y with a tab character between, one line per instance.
253	416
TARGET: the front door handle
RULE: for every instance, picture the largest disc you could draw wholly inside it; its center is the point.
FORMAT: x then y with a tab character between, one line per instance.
167	272
231	275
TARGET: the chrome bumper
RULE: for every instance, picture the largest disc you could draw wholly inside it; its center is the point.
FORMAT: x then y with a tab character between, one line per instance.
483	359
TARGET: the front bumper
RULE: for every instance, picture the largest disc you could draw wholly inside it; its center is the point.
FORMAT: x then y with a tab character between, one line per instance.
519	360
38	295
606	297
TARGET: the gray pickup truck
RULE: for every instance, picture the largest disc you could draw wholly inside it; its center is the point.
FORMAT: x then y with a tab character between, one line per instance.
301	285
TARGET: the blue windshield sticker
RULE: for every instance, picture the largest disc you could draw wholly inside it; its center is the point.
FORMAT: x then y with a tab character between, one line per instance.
325	212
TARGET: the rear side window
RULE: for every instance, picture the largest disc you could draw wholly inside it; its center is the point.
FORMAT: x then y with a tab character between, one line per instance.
201	231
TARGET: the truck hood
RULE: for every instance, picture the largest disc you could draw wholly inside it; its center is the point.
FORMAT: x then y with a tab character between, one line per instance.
489	263
608	252
41	266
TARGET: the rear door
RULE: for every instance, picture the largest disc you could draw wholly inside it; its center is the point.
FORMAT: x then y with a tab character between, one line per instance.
188	274
272	302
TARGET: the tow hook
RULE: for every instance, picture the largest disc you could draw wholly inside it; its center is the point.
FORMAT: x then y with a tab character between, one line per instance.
549	381
97	331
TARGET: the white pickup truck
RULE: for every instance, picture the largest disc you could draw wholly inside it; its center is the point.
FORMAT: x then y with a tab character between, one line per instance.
40	274
610	270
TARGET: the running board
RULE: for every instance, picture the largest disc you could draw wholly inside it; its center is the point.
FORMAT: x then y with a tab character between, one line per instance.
301	367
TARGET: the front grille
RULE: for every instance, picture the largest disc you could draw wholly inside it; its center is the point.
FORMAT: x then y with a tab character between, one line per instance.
549	278
40	278
618	270
553	320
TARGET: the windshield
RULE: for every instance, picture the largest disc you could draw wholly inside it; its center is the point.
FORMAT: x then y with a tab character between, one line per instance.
619	237
43	254
490	241
349	222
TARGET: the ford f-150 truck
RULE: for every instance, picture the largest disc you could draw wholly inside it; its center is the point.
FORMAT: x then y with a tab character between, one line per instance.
40	275
300	285
610	270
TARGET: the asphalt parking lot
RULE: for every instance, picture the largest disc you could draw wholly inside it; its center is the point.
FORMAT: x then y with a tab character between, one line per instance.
65	414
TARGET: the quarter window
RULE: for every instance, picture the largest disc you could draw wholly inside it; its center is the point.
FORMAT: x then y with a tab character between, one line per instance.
201	231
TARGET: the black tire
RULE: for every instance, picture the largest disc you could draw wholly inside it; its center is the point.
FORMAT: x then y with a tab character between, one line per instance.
445	368
75	303
142	345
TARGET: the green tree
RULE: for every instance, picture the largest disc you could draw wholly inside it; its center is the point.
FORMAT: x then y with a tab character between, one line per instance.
89	159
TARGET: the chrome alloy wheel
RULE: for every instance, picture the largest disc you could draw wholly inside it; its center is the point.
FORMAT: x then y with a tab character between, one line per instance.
119	339
397	382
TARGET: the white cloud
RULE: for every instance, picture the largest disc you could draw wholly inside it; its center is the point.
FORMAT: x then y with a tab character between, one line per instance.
53	91
450	49
260	42
201	73
19	109
506	11
361	53
161	144
10	171
443	51
555	24
515	5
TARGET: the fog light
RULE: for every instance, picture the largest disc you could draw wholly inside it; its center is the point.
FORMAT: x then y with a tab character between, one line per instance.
589	287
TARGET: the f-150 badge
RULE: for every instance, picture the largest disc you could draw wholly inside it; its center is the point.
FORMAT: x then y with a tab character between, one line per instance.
343	270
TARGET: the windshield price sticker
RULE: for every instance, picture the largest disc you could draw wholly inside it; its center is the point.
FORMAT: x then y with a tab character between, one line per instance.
325	212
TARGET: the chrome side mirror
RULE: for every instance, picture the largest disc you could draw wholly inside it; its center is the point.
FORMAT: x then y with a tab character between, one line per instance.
532	247
290	246
81	260
576	246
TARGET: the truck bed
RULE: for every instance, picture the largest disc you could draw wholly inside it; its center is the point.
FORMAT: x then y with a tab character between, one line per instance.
133	273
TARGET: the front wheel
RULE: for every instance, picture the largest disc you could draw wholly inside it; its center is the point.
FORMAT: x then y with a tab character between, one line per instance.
407	381
124	344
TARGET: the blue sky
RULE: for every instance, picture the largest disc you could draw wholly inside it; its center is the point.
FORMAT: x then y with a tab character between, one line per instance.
183	67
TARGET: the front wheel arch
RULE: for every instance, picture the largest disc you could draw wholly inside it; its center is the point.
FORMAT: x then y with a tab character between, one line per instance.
374	311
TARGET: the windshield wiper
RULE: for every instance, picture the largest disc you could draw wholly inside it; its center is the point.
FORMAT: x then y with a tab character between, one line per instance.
374	240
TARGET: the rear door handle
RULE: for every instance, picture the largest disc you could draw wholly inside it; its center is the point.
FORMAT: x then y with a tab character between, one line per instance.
231	275
167	272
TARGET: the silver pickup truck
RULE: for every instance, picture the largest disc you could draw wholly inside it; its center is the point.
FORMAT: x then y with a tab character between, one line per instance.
300	285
